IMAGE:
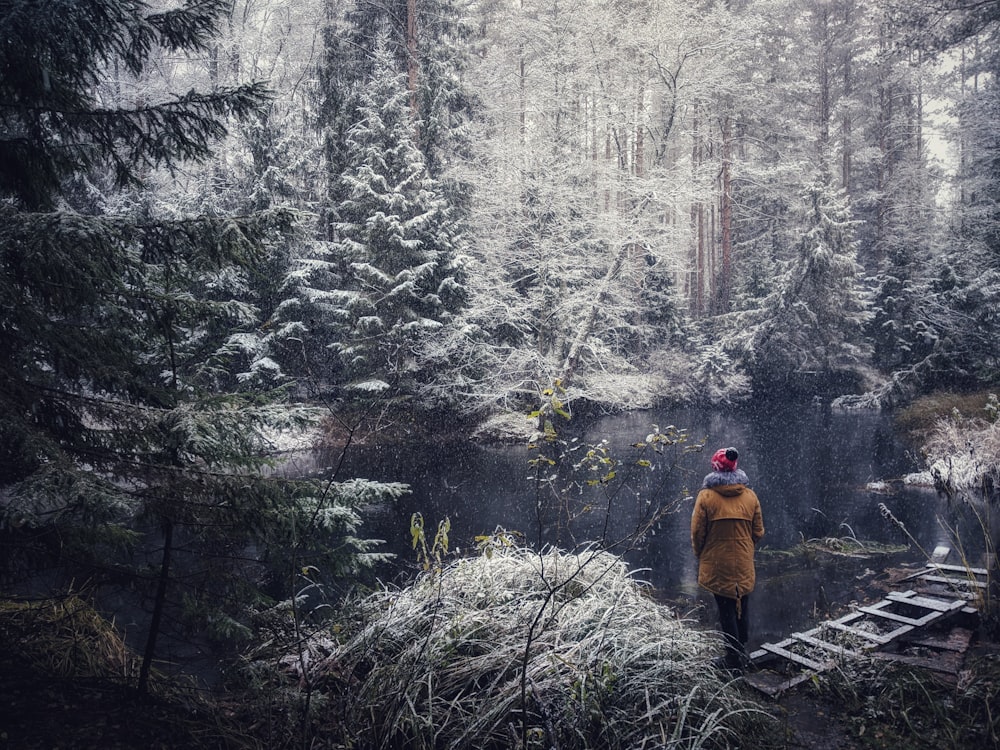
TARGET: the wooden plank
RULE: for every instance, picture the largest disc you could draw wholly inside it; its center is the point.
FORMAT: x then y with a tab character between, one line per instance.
856	614
938	609
948	666
932	568
937	605
957	639
880	638
774	688
937	590
805	661
916	622
955	581
763	654
826	645
851	617
940	553
960	569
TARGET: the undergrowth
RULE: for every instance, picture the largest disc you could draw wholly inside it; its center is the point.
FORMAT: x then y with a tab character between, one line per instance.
920	417
891	705
528	649
68	680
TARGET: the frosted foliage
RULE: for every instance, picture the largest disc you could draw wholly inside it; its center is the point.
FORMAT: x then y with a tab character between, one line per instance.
579	233
371	386
247	343
396	235
578	628
262	369
333	517
717	379
965	457
817	314
361	492
638	390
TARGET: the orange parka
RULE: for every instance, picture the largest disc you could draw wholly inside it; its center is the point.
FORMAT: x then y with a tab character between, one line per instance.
725	526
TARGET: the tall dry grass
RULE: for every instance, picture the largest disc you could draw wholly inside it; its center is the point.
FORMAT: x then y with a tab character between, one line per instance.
527	649
965	454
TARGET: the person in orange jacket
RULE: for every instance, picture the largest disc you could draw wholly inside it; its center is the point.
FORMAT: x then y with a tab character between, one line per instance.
726	525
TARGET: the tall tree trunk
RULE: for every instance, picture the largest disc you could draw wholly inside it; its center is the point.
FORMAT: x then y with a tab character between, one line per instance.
884	170
726	216
823	74
159	605
411	57
846	123
522	88
587	327
919	114
640	153
697	291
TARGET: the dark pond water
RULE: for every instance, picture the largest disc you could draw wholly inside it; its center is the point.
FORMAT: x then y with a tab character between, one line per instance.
809	465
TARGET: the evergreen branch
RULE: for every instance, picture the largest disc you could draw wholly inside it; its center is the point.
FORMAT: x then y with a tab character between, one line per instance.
76	35
163	134
191	27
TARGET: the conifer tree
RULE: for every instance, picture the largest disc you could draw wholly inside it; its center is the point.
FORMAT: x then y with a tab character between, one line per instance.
950	332
113	417
814	320
430	41
397	242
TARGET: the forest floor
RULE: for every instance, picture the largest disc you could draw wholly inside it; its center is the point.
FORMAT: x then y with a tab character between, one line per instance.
880	705
911	709
916	698
65	715
914	709
57	714
810	723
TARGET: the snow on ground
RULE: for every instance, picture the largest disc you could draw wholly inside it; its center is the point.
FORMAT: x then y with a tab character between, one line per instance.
290	440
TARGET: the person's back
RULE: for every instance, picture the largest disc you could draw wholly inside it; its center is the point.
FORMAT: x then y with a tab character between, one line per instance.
725	526
724	533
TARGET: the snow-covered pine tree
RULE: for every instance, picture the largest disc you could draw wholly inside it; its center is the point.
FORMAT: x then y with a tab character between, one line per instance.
445	101
905	328
967	288
111	412
398	244
430	41
950	332
814	321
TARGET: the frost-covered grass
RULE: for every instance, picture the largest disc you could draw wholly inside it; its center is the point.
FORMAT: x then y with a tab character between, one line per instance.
923	415
963	454
67	638
552	649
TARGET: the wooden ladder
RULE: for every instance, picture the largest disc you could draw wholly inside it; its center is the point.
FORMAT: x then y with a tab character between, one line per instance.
863	630
969	583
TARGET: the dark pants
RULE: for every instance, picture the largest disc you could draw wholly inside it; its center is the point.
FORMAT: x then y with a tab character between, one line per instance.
735	624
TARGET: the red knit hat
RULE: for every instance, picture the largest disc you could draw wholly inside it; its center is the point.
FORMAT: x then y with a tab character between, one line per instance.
724	459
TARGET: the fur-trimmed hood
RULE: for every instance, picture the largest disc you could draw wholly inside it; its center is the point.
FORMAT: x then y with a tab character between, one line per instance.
718	478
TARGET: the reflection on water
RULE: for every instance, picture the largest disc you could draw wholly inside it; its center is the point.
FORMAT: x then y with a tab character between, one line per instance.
809	466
